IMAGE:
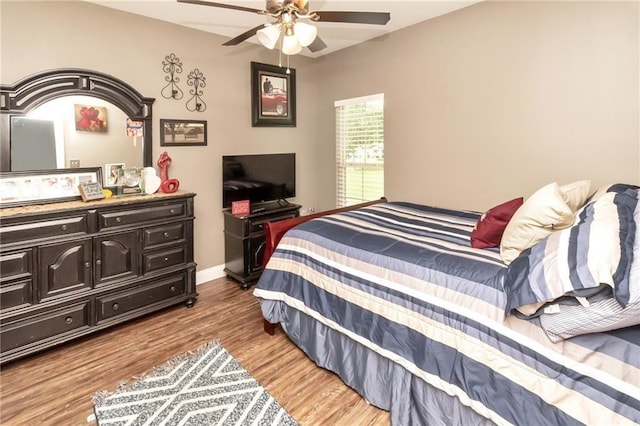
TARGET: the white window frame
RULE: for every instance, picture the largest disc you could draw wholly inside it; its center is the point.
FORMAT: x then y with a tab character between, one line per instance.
370	161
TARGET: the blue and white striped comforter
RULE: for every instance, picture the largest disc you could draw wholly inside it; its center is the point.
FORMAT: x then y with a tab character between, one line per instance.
403	280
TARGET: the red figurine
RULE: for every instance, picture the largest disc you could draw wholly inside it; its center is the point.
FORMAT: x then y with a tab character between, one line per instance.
167	185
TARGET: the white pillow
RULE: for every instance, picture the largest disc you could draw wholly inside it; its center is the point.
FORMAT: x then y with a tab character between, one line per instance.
541	214
576	193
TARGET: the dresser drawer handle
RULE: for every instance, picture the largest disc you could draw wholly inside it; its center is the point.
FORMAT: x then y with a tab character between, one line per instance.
87	265
98	262
166	259
172	288
115	307
68	320
165	234
64	227
172	211
118	219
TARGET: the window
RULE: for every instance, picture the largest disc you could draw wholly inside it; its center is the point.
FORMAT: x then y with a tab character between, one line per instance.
359	149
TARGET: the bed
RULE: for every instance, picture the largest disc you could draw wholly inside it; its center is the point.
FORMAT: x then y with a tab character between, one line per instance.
395	299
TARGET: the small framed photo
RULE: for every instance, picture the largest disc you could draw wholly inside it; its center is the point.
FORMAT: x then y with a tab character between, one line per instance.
183	132
113	174
273	96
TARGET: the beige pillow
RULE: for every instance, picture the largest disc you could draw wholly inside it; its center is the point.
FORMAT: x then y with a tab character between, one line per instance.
541	214
576	193
600	192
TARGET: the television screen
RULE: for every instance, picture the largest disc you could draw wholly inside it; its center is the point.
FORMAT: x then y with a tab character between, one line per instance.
258	177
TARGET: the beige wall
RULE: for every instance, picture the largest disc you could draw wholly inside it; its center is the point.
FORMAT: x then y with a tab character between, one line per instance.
497	99
42	35
482	104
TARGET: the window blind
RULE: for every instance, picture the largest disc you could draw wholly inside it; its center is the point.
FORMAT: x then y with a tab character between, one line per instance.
359	149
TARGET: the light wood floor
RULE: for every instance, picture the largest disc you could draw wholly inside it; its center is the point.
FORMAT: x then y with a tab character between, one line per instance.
55	386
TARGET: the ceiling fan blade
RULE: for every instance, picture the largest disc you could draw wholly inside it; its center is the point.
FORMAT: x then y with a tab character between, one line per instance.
222	5
317	45
376	18
242	37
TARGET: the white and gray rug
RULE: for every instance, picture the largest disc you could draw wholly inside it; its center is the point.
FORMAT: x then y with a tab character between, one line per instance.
207	387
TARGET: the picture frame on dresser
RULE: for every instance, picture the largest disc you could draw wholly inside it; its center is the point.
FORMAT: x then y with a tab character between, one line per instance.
45	186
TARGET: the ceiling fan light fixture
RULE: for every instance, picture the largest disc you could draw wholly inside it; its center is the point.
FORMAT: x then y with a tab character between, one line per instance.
290	45
305	33
269	36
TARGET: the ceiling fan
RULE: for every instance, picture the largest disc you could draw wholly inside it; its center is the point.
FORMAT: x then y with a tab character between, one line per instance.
289	17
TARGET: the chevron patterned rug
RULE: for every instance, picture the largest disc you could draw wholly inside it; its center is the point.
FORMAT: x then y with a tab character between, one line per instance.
205	387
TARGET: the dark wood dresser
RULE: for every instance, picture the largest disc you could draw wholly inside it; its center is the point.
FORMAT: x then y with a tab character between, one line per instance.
71	269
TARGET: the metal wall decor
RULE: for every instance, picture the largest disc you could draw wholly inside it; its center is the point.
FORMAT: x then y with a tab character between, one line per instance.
172	66
198	81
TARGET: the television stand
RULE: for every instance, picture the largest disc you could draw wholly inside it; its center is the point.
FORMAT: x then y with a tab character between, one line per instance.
244	240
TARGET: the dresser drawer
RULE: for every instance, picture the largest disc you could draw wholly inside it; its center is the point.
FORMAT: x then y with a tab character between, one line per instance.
15	265
110	306
131	217
41	327
16	294
43	229
158	236
164	259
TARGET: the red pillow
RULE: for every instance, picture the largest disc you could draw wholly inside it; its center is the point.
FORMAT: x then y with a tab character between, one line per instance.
490	227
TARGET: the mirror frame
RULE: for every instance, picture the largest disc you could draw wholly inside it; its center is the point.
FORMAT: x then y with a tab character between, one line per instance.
36	89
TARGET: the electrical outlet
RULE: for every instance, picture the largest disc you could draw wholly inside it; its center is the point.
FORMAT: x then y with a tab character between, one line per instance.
74	164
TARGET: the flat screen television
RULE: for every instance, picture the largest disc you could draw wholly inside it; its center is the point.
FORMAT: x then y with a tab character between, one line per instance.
258	178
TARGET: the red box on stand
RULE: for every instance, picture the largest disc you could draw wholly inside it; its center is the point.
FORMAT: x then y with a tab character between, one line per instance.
241	208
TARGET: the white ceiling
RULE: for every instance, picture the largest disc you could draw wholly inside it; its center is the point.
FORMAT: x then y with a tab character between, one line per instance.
231	23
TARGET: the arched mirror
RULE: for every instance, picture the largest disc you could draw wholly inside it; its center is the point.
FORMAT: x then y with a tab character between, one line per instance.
67	118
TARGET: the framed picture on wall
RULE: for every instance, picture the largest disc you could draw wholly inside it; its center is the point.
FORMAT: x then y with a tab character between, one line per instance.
183	132
91	118
273	96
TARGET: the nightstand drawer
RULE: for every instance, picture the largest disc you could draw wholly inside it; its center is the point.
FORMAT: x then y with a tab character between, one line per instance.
34	329
155	237
43	229
141	297
164	259
129	217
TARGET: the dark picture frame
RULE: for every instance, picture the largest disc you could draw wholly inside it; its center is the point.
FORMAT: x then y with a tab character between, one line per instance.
183	132
273	96
45	186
